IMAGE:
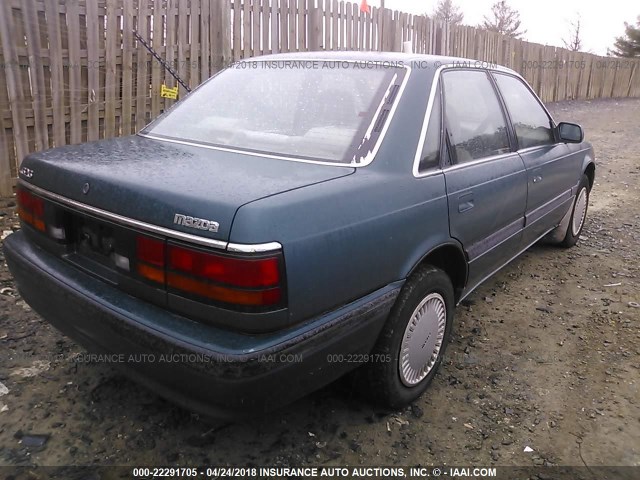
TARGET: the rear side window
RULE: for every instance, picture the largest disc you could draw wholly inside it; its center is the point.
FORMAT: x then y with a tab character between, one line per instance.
530	121
475	123
431	151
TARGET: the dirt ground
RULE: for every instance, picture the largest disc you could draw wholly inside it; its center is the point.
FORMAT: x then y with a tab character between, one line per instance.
545	355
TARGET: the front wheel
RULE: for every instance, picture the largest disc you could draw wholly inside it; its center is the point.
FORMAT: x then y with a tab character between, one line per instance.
578	215
413	341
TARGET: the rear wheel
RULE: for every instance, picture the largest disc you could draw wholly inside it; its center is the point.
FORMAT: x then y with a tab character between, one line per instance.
578	215
412	343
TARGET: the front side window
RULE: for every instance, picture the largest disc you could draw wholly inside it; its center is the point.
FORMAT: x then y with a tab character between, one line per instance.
331	114
530	122
475	123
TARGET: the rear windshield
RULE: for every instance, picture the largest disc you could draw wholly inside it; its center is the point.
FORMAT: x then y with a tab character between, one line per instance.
327	111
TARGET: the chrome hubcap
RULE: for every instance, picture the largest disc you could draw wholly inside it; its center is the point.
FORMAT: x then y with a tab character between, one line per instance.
422	339
579	212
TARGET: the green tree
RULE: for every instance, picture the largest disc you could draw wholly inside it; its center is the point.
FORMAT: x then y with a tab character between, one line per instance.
629	44
446	11
504	20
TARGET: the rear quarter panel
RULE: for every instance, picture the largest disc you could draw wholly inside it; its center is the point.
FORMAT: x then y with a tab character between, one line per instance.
348	237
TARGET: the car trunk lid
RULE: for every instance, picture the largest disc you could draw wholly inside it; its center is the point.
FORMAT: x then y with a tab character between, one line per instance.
165	184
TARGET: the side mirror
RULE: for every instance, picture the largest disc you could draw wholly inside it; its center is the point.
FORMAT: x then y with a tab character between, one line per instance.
570	132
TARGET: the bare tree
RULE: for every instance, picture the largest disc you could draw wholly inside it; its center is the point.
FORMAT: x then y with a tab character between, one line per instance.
574	42
446	11
504	20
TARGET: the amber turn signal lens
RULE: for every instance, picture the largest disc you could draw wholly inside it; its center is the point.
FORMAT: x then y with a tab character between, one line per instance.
151	273
271	296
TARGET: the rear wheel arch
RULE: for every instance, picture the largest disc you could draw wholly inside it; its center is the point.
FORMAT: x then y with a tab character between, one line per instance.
450	259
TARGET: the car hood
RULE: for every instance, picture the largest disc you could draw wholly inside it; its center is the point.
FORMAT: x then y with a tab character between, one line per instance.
152	180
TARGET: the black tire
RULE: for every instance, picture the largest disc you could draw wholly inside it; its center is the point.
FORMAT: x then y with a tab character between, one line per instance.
381	378
573	234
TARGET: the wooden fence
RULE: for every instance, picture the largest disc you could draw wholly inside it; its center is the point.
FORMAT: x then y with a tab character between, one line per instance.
72	71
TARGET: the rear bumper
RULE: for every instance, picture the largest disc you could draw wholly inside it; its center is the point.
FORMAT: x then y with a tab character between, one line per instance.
205	369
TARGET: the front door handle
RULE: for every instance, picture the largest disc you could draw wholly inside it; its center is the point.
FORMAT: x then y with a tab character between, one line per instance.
465	202
537	175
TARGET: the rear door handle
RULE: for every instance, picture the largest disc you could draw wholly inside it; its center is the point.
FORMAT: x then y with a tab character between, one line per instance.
537	178
465	202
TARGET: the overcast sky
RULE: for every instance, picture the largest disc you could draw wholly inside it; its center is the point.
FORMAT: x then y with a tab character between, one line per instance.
546	21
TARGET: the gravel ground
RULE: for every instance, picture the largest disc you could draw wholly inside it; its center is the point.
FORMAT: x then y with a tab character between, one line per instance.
545	355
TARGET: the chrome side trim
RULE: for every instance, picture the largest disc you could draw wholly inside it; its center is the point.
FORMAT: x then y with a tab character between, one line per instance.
431	172
492	158
460	166
367	159
148	227
254	247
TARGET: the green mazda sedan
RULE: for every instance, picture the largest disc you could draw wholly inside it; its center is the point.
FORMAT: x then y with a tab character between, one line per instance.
297	217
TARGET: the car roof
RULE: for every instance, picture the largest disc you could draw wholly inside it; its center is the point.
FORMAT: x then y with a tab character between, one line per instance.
406	59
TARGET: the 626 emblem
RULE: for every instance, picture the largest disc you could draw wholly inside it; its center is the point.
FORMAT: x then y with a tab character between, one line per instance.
26	172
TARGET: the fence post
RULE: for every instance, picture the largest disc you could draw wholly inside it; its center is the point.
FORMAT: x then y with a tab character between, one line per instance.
220	34
6	184
388	35
315	24
12	72
275	42
395	30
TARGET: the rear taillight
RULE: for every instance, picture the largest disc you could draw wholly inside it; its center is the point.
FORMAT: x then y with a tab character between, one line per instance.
30	208
250	273
250	282
150	256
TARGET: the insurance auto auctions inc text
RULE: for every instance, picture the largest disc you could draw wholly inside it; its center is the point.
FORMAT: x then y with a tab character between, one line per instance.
371	472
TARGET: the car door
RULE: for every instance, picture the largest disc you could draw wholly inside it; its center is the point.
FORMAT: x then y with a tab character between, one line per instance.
486	181
551	166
